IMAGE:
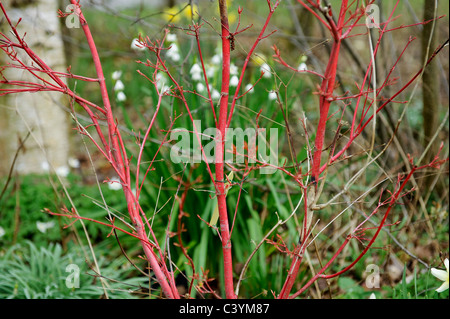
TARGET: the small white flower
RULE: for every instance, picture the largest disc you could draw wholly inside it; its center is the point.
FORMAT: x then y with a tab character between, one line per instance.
161	82
2	232
272	95
249	87
302	67
175	57
372	296
210	71
160	76
441	275
233	69
234	81
137	45
266	69
196	72
161	79
171	37
164	89
116	75
62	171
114	184
73	162
196	68
44	226
215	95
200	87
174	53
121	96
119	86
45	166
216	59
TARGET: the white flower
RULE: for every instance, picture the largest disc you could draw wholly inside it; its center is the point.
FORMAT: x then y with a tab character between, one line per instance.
176	57
171	37
164	89
216	59
62	171
441	275
45	166
233	69
121	96
116	75
174	53
119	86
234	81
114	184
372	296
200	87
249	88
211	71
2	232
161	82
73	162
302	67
43	226
272	95
215	95
160	79
160	76
196	72
137	45
266	69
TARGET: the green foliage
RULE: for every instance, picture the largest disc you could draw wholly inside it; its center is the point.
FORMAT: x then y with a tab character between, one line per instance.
418	285
352	289
422	285
31	272
22	207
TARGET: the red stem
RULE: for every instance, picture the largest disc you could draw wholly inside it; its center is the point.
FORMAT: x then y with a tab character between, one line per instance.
326	92
327	89
120	157
380	226
247	60
357	132
220	176
197	38
295	266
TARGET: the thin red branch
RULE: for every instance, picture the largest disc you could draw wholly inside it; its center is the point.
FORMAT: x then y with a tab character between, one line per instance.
220	146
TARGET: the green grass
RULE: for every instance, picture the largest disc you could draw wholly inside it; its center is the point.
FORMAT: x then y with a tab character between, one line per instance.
31	272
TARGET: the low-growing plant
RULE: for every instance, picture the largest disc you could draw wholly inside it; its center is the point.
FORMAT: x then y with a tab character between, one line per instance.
31	272
23	203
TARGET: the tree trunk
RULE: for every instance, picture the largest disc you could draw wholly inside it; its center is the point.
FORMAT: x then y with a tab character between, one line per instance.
38	113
